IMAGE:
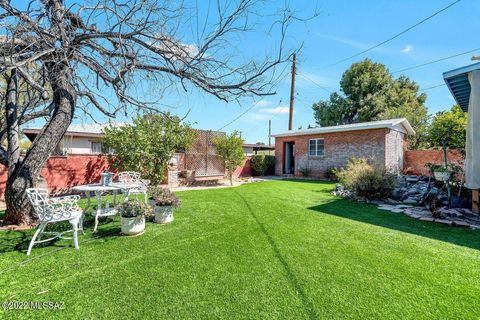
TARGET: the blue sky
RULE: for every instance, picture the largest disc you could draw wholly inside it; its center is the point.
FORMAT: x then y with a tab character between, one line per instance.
342	29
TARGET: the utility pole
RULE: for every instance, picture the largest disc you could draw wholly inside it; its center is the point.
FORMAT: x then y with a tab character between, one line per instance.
270	132
292	91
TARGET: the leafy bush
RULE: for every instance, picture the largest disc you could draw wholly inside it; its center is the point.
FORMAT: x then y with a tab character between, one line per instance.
262	165
147	144
270	165
368	181
331	173
305	171
257	163
230	149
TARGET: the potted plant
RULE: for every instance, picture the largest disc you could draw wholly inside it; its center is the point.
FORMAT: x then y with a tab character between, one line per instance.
132	214
163	201
441	173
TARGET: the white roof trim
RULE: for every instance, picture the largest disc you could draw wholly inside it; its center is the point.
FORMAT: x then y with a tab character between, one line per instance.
394	124
462	70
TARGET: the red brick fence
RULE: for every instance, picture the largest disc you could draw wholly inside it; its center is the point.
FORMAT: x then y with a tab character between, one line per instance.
415	160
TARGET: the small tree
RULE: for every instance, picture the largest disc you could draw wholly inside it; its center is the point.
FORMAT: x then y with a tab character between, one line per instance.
449	126
230	149
147	144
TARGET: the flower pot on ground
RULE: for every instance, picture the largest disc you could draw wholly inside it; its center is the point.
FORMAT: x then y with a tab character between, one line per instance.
163	201
442	174
132	214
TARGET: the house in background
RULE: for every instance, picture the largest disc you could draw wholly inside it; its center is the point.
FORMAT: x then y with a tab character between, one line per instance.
79	139
319	149
464	84
250	149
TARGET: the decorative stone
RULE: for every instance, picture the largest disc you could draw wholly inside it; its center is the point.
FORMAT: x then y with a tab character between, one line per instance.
444	221
428	219
385	207
410	201
460	223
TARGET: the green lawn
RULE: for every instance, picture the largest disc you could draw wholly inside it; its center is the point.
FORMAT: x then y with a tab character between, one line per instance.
269	250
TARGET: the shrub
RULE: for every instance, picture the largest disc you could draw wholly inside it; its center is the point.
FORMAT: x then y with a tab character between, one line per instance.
257	163
262	165
270	165
368	181
305	171
331	173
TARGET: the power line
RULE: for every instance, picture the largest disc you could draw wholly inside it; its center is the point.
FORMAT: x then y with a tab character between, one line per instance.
435	61
246	111
239	116
396	35
314	82
433	87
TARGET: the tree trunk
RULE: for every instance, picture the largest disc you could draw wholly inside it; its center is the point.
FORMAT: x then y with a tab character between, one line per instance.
26	173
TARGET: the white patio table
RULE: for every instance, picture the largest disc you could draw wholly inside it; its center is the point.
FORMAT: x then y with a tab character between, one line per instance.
98	189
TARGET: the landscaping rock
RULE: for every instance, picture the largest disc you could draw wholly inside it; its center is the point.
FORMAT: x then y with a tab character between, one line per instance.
460	223
429	219
412	178
385	207
410	201
444	221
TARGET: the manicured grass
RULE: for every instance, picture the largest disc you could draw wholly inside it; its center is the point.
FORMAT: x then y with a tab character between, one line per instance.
269	250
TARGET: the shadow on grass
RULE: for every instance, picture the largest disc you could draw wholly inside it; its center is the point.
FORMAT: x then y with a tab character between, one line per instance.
368	214
314	181
19	240
307	303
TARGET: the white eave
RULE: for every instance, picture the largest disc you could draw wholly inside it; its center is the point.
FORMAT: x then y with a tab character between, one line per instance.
400	124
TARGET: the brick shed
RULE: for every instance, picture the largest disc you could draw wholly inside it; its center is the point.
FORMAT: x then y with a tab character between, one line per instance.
381	142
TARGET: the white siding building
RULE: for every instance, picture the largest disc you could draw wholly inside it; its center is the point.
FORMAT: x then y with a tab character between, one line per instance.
79	139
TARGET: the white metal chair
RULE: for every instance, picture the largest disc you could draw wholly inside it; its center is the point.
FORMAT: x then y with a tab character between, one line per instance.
52	210
140	186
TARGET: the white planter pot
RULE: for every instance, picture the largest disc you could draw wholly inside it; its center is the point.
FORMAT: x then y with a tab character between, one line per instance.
441	175
163	214
133	226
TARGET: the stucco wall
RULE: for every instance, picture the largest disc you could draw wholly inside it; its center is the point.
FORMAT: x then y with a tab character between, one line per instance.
62	173
339	148
77	145
394	151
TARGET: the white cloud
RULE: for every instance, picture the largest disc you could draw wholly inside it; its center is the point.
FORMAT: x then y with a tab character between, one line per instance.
281	109
408	48
349	42
263	103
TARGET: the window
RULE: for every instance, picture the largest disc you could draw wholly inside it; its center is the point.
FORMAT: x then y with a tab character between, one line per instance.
315	147
96	147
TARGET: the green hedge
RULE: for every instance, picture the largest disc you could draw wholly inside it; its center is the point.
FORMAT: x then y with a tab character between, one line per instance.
262	165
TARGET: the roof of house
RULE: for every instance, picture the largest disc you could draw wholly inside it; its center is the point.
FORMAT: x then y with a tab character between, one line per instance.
259	146
82	130
457	82
401	124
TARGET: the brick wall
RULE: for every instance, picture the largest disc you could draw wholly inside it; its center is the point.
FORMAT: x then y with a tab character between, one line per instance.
415	160
339	148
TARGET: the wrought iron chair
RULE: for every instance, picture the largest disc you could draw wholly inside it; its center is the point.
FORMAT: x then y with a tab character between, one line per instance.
52	210
140	186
